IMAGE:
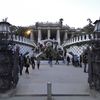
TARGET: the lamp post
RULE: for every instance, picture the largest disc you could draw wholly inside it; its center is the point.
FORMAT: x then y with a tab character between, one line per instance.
9	58
4	33
28	33
97	28
94	59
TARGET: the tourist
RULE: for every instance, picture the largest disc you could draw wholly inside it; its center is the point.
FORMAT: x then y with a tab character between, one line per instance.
21	62
68	60
38	62
27	65
50	60
76	60
80	61
57	58
33	62
85	60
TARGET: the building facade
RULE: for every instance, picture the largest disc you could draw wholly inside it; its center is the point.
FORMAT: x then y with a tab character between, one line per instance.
49	32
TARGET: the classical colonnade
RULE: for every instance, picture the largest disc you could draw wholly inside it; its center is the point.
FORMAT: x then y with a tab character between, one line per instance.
58	33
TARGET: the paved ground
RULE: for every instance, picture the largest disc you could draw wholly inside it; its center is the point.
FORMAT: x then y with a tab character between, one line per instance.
68	83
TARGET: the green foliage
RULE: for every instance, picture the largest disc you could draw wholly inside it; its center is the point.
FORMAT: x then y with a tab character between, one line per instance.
50	52
88	28
20	30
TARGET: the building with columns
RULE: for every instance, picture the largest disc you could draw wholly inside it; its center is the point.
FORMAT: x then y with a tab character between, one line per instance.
44	32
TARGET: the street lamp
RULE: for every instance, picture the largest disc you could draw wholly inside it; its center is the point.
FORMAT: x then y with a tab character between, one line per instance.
28	32
97	28
94	59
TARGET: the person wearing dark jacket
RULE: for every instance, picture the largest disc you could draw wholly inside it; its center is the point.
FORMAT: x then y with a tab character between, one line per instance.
68	60
27	65
21	63
85	60
38	62
33	62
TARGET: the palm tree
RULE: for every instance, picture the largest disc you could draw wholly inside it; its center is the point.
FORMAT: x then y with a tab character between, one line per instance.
89	28
90	22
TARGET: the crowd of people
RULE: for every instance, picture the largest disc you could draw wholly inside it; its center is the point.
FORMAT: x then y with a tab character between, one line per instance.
67	58
26	61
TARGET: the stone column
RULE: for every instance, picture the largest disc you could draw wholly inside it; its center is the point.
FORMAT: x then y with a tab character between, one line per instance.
31	36
65	36
48	33
39	35
58	36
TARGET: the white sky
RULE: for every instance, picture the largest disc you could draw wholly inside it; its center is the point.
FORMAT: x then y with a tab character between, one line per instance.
26	12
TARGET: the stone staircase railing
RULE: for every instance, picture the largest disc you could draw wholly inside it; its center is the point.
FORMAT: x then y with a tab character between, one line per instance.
79	39
22	40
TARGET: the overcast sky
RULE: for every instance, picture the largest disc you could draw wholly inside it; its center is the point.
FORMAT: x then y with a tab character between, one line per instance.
26	12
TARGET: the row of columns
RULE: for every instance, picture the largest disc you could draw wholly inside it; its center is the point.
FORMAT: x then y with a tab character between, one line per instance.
49	34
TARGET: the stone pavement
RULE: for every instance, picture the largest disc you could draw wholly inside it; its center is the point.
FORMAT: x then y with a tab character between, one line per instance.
68	82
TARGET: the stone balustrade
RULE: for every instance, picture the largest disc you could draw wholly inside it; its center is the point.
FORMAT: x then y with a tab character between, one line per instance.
23	40
79	39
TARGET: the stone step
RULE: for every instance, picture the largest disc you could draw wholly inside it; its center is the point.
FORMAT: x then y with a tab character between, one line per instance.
57	89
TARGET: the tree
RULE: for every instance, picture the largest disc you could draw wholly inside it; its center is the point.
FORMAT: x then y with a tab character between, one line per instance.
50	52
22	31
90	22
88	28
